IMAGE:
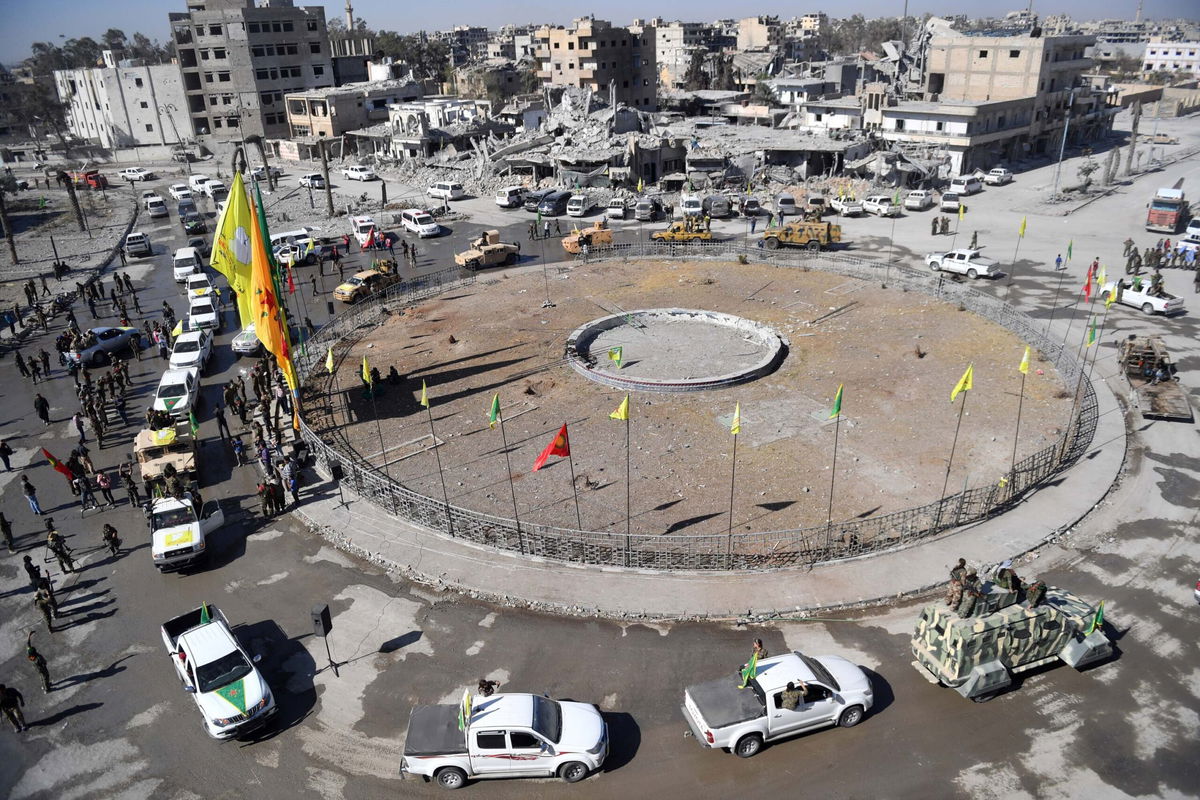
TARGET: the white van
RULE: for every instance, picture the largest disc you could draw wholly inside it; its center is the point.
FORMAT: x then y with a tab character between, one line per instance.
578	205
418	221
300	237
185	263
362	227
511	197
690	205
965	184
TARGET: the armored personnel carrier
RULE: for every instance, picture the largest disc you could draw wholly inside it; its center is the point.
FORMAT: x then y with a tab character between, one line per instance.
1005	634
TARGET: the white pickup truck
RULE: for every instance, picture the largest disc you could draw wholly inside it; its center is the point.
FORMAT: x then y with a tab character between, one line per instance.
719	714
1162	303
177	537
964	261
504	736
231	694
846	206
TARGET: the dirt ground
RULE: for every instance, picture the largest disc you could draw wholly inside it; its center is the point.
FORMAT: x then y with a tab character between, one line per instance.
898	354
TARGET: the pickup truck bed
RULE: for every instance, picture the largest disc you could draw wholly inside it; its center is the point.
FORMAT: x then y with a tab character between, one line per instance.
433	731
722	703
173	628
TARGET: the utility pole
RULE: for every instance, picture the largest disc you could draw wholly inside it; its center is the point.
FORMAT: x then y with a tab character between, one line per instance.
325	176
1063	147
8	231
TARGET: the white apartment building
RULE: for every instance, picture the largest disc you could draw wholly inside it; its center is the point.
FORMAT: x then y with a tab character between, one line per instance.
1172	56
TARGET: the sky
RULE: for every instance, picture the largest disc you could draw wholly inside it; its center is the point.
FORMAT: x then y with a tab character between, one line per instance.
27	21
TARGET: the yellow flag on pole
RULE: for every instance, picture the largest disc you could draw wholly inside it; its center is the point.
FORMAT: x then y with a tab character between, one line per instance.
1023	367
424	395
965	383
366	372
1021	232
622	411
231	252
736	427
962	212
329	360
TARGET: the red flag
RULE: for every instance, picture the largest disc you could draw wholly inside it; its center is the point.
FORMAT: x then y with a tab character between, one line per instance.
59	467
291	283
1087	288
559	447
370	240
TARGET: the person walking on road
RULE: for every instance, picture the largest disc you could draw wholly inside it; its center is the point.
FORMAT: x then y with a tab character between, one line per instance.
6	452
11	702
6	532
42	602
104	483
42	406
130	484
58	547
30	492
111	540
39	663
21	366
32	571
222	425
77	421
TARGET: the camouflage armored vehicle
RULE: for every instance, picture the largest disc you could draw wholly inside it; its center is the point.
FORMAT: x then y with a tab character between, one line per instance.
682	232
813	235
596	235
154	450
488	251
978	654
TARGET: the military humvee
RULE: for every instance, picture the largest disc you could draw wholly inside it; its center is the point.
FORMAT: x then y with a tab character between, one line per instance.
487	251
977	655
597	235
813	235
156	449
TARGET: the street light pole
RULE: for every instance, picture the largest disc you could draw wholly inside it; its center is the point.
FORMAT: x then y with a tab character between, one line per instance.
167	108
1063	146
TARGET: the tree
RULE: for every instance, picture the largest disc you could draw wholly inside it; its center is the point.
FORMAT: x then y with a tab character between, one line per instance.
9	185
427	59
38	108
83	52
695	78
763	91
113	39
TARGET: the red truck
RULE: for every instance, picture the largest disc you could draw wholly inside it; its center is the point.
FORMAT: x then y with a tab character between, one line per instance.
1168	211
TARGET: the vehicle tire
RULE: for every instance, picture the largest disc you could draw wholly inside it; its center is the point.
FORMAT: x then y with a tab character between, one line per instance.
510	259
101	358
972	273
983	698
573	771
851	717
450	778
772	243
310	259
935	266
1147	308
748	746
813	246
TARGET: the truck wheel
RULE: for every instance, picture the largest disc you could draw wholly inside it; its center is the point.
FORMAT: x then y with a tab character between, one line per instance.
972	273
573	771
450	778
983	698
510	259
772	243
935	266
850	717
748	746
813	245
1147	308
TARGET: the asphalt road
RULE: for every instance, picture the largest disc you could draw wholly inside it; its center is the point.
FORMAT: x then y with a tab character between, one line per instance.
118	725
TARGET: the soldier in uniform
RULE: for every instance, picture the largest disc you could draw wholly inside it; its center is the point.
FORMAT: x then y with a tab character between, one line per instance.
1035	593
45	587
111	540
1128	247
39	662
974	239
792	696
971	593
488	688
32	570
42	601
6	531
1006	577
954	590
59	548
10	703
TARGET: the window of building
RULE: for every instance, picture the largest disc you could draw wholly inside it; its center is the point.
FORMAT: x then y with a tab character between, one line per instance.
232	122
624	84
212	100
301	130
208	77
226	99
204	54
258	51
314	47
983	53
292	49
1014	53
262	74
899	124
252	27
223	77
287	27
556	45
149	128
218	52
570	45
645	82
217	122
214	30
312	25
558	66
571	65
144	104
940	126
819	117
137	82
318	69
276	27
1000	121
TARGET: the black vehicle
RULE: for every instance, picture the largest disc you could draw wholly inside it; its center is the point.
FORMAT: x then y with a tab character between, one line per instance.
554	204
187	206
194	223
534	198
202	246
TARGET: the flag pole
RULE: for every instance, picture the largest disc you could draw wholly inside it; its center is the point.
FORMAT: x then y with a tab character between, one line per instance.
441	474
837	424
1054	305
628	526
732	475
1017	430
574	489
1013	269
379	429
887	271
950	461
337	386
511	487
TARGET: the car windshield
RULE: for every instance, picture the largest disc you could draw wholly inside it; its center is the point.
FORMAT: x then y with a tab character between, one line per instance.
354	282
202	308
547	718
819	670
192	346
173	518
365	227
172	390
225	670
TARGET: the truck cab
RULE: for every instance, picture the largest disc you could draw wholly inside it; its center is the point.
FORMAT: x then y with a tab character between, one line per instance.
155	449
178	536
231	694
1168	209
507	735
721	714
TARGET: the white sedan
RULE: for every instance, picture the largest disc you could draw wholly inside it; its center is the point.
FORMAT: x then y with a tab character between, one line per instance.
963	261
246	342
191	349
180	191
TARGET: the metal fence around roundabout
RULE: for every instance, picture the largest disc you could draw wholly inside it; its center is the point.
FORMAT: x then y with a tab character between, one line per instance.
741	551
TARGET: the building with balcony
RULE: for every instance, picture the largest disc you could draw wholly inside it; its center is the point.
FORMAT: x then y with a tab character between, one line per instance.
332	112
610	61
237	60
126	103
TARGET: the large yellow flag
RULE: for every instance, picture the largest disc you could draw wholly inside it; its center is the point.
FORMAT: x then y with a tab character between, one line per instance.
622	411
265	311
965	383
232	247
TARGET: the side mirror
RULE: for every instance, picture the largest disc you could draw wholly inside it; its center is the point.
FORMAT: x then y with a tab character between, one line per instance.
257	658
189	689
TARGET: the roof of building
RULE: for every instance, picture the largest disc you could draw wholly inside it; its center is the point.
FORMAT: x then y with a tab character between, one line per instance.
364	87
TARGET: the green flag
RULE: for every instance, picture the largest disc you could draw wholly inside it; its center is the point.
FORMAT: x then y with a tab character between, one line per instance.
836	411
235	694
1097	621
615	354
1070	248
192	423
204	615
494	411
749	671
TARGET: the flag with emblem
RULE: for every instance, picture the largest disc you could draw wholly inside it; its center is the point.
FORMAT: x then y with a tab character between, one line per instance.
622	411
234	694
965	383
192	423
615	354
59	467
205	617
1097	621
559	446
750	671
231	252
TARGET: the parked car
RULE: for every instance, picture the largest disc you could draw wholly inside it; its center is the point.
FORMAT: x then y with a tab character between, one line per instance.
446	190
964	261
647	209
186	206
554	204
358	172
198	285
616	209
881	205
998	176
1143	297
215	190
102	343
191	349
949	202
203	312
201	246
136	174
156	207
579	205
196	183
180	191
312	180
966	185
246	342
138	244
193	224
184	264
717	206
259	173
420	222
919	200
785	205
690	205
533	200
846	206
511	197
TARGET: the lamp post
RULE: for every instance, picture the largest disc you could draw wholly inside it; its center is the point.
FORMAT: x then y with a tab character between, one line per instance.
167	108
